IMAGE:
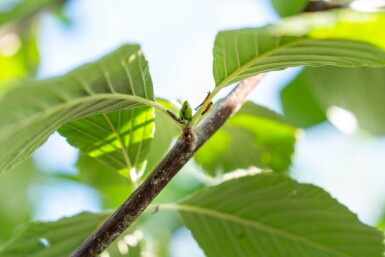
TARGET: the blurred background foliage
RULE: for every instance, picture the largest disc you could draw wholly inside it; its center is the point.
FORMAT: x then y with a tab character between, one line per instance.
328	103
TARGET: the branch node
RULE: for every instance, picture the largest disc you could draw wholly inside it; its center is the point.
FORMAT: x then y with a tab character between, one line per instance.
188	135
183	150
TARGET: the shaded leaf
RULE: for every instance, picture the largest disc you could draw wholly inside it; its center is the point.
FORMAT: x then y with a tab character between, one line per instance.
18	11
158	227
60	238
30	113
57	239
17	209
358	90
288	8
300	105
129	244
320	39
254	136
113	187
272	215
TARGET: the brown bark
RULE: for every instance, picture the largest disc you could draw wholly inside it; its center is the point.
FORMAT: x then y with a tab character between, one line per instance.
185	147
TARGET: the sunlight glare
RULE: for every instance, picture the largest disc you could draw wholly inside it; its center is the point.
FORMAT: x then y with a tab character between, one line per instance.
342	119
9	44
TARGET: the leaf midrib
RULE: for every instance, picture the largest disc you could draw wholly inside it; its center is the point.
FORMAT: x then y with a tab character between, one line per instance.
249	223
247	65
67	105
243	68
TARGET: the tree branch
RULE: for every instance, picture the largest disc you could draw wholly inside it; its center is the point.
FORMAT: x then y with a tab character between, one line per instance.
183	150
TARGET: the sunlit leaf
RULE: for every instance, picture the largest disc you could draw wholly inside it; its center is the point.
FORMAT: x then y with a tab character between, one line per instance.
331	38
381	223
30	113
255	136
19	56
272	215
85	134
165	132
120	139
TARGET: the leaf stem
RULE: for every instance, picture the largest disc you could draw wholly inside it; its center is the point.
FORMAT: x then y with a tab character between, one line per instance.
166	111
184	149
198	115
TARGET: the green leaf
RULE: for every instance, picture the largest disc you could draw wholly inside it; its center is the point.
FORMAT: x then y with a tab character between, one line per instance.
17	209
25	9
57	239
127	245
299	103
120	139
381	223
113	187
255	136
361	91
165	132
60	238
331	38
288	8
19	56
30	113
358	90
272	215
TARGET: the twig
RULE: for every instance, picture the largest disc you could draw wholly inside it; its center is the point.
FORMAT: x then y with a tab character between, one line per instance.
322	5
183	150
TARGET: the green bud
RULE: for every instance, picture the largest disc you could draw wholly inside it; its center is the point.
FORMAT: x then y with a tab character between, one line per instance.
185	113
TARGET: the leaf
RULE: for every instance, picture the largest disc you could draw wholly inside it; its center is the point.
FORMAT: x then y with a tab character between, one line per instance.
16	209
120	139
299	103
24	9
19	56
288	8
129	244
330	38
113	187
60	238
358	90
165	132
30	113
381	223
271	215
57	239
255	136
100	176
